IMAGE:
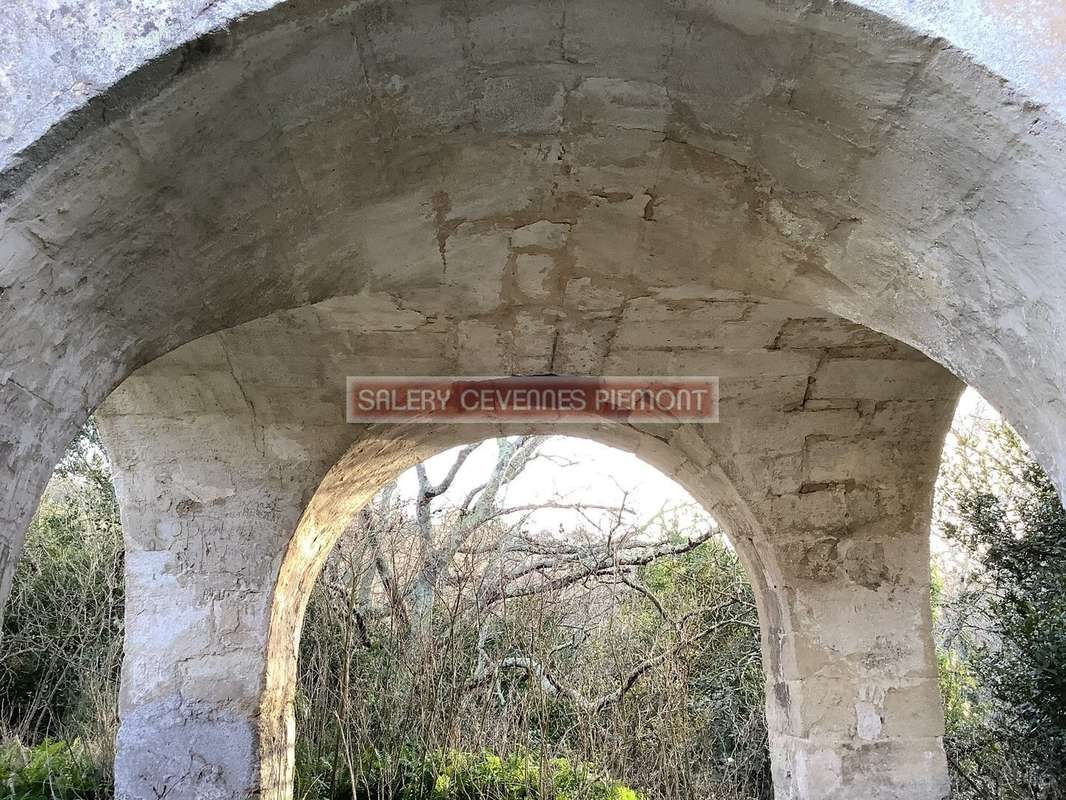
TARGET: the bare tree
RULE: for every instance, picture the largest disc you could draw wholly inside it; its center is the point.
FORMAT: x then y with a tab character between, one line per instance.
476	554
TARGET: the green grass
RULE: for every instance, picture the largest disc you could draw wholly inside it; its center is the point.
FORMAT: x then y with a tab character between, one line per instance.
456	775
52	770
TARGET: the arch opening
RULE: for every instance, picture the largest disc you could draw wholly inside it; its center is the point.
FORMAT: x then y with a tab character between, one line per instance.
536	604
377	462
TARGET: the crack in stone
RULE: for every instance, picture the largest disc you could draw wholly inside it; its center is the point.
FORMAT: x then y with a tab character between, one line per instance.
260	440
30	392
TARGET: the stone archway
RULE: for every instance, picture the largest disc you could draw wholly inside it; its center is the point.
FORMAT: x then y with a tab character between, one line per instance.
588	187
236	471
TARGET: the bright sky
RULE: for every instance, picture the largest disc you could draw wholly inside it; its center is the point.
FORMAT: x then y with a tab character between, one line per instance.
598	475
972	414
971	404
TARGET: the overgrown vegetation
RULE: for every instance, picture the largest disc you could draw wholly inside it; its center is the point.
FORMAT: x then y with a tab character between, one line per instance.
53	770
1002	627
611	677
443	626
62	638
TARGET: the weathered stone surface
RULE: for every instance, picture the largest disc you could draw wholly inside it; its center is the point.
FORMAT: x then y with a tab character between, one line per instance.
828	507
596	186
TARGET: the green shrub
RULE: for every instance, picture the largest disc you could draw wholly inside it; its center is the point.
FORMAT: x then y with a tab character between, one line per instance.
52	770
61	642
455	775
1003	636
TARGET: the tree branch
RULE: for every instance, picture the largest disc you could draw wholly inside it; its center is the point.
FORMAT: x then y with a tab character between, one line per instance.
551	684
587	563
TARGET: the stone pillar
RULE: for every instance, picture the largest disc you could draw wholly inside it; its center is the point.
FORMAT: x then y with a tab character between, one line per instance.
191	676
207	513
852	698
853	703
